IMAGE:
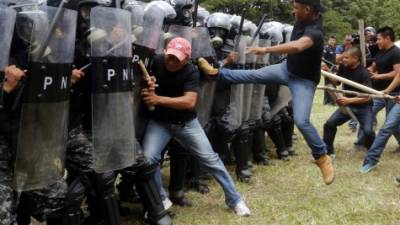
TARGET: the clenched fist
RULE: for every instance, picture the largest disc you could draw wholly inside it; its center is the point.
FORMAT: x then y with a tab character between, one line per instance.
13	76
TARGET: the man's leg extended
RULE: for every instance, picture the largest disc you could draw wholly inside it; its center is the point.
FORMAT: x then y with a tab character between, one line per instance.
270	74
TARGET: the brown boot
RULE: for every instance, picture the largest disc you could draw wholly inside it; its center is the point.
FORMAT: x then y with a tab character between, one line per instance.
327	170
206	68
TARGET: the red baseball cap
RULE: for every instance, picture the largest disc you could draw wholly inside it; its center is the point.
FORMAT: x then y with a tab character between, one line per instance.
180	48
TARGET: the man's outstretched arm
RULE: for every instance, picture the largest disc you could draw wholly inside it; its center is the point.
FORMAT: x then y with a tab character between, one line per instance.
292	47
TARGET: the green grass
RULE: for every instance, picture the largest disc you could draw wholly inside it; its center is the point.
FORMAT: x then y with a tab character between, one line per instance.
293	192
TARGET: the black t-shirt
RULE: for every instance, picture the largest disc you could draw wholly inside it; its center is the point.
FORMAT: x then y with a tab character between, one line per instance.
330	54
385	60
307	64
359	75
174	85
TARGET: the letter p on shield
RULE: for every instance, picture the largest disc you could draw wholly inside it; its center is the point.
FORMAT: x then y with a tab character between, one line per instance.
110	74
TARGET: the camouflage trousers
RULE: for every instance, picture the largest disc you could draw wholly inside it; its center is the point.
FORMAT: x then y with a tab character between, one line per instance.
41	203
7	195
79	152
44	203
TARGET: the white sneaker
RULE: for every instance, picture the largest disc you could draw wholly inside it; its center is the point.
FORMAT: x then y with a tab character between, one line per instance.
241	209
167	203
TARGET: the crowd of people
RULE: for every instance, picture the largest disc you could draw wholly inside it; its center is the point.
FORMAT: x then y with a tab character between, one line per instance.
95	90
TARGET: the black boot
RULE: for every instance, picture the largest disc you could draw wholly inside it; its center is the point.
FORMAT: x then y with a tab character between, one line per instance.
105	190
288	124
240	148
198	176
126	188
259	146
75	196
178	169
275	133
150	196
220	145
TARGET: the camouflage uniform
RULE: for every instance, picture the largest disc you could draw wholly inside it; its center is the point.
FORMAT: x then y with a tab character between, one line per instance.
44	204
7	195
79	152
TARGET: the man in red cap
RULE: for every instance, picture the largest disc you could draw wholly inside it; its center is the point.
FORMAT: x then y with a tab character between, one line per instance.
175	117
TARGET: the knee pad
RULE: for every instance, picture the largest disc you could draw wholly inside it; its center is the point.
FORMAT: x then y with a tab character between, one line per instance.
75	196
105	183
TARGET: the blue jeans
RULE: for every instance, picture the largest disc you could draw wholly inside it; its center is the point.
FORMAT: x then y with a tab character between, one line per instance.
192	136
390	126
302	97
363	115
379	104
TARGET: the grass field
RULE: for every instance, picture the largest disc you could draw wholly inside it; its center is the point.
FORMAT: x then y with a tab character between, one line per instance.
293	192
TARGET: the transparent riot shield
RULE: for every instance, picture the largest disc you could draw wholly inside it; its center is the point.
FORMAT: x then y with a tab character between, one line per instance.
113	127
236	104
201	47
178	31
283	99
263	60
43	129
7	23
259	89
248	88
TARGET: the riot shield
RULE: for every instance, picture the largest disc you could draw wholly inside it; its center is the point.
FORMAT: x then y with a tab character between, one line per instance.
259	89
250	60
236	104
283	99
43	129
263	60
113	128
202	47
7	23
178	31
147	30
287	31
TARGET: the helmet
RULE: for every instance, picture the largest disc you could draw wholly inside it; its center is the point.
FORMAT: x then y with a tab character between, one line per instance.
184	12
202	16
218	25
370	30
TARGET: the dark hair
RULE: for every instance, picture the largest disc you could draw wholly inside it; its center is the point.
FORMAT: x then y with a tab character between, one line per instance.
332	36
355	52
387	32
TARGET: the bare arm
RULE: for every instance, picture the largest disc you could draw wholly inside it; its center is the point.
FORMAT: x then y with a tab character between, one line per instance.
387	76
345	101
395	83
185	102
292	47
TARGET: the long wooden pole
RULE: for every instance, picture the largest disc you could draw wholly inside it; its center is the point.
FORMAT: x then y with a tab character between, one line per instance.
362	42
352	83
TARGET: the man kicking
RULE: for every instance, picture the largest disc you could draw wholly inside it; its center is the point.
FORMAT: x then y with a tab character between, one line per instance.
301	72
361	107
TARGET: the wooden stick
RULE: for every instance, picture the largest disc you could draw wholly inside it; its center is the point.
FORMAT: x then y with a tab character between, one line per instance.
355	93
146	76
352	83
362	42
